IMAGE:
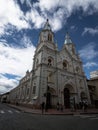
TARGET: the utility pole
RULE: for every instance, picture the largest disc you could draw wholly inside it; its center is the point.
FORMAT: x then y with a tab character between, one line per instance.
46	107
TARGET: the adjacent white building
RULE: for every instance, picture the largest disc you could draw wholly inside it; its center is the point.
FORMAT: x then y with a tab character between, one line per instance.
94	74
57	76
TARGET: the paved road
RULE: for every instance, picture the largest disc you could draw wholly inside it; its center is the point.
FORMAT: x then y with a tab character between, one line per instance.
12	119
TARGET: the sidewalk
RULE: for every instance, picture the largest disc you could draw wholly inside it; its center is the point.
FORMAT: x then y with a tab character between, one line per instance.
54	111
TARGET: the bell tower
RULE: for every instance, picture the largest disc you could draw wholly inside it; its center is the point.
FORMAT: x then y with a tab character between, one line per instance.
46	37
46	34
44	64
69	45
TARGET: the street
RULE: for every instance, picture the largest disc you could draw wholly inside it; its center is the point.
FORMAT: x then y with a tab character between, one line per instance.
12	119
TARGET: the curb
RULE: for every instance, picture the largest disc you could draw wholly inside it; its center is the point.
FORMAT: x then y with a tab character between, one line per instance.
88	113
36	113
39	113
48	113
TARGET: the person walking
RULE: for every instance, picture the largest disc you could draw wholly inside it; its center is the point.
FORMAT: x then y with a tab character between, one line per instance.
57	106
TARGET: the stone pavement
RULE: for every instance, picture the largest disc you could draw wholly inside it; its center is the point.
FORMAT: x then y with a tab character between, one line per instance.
54	111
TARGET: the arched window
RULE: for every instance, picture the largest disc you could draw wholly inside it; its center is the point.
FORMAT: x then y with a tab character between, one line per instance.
65	64
49	37
73	50
50	61
77	69
34	89
37	62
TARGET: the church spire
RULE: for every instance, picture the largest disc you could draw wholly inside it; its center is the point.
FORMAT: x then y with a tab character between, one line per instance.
67	39
47	25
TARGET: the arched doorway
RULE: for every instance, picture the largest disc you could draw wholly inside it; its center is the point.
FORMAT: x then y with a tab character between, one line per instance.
48	100
66	98
50	97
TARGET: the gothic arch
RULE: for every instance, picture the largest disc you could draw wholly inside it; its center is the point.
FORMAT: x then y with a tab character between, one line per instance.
70	87
49	37
50	61
77	69
68	92
65	64
49	96
52	91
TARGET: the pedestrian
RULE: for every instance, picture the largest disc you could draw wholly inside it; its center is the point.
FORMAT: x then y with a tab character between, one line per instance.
57	106
43	107
80	105
85	106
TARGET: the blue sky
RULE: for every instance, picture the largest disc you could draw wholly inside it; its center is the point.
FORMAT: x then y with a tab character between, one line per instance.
21	22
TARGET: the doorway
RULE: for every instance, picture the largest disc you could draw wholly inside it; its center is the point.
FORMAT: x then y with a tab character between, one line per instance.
48	100
66	98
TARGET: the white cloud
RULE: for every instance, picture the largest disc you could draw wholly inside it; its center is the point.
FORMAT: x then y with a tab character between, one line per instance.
28	2
1	30
34	17
25	41
90	64
10	13
56	19
69	5
47	5
73	28
88	52
14	61
7	84
22	1
57	11
92	31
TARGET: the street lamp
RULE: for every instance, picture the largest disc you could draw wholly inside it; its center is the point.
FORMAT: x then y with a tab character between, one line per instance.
46	107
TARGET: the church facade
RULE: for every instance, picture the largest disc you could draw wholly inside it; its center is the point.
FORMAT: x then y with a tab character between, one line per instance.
57	76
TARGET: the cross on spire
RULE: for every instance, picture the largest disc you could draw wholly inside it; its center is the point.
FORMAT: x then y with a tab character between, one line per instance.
47	25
